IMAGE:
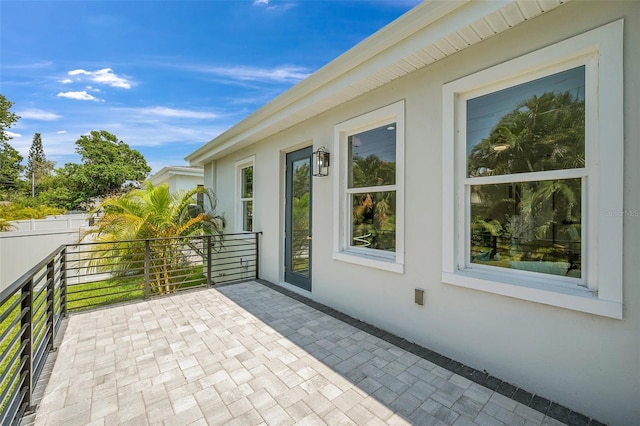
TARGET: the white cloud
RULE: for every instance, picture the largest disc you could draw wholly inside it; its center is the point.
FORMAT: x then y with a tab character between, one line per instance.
61	132
13	135
37	114
270	7
79	96
285	73
104	76
66	81
178	113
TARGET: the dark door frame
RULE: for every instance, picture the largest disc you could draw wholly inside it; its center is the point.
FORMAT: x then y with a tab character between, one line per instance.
290	276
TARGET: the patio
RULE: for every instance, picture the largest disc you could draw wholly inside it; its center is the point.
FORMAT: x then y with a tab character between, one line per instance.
247	354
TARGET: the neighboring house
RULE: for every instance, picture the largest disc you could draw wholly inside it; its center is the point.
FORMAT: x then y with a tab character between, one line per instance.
477	161
179	178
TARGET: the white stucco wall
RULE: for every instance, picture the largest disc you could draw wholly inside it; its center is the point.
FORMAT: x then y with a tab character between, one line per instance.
586	362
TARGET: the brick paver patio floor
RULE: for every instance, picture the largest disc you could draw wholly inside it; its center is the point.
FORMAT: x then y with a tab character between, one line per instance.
245	354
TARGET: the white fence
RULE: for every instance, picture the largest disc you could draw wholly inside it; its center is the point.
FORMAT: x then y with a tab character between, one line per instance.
32	240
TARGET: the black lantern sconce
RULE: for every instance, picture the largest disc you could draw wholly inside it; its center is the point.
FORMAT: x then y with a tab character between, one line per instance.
321	162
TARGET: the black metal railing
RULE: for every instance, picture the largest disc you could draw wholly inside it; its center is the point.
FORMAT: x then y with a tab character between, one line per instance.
90	275
30	313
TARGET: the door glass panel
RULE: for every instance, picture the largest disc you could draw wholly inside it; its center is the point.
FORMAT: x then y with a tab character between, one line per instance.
301	196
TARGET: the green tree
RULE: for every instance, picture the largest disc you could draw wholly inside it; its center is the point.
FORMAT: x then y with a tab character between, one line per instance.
37	165
63	189
107	164
152	212
10	159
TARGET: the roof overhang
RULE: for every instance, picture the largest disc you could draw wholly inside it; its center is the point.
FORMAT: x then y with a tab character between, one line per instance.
429	32
168	171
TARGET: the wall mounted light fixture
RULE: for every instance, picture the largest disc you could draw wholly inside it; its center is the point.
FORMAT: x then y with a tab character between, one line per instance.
321	162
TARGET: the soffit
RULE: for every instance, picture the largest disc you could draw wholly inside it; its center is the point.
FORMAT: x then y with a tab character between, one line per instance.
430	32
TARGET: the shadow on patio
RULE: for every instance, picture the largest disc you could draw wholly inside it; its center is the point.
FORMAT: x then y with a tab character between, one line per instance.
248	354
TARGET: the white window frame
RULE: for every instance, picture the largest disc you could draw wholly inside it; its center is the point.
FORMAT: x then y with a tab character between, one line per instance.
600	290
240	166
342	248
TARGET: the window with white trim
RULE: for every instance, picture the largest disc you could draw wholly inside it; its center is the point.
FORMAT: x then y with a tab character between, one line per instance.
532	157
369	205
244	191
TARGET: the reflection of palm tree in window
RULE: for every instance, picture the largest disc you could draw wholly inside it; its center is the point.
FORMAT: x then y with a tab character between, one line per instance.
538	220
544	132
373	212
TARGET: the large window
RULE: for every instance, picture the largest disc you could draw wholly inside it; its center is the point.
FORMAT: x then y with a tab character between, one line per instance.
525	164
370	151
244	216
532	157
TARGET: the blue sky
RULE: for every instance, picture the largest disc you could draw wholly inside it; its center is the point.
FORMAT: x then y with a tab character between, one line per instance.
164	76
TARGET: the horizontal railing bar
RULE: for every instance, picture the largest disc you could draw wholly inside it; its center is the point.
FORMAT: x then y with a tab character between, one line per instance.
71	300
214	237
10	309
16	321
40	355
238	268
235	260
227	252
11	382
14	405
13	360
20	282
39	303
73	288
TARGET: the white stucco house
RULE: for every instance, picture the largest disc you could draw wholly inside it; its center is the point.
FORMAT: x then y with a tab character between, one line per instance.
179	178
483	157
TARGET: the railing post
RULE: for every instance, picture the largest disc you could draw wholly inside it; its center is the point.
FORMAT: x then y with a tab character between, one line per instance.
26	339
257	236
209	250
63	290
147	256
51	306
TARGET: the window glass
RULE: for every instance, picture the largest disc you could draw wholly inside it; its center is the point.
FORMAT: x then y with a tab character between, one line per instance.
372	157
533	226
374	220
526	224
535	126
247	215
247	182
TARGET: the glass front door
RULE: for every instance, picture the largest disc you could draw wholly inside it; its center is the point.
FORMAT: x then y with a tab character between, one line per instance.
298	219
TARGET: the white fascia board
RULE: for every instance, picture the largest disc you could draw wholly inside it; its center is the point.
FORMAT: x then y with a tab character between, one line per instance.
168	171
420	27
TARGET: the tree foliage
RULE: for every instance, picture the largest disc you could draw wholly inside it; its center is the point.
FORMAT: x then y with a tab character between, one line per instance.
108	163
152	212
37	165
10	158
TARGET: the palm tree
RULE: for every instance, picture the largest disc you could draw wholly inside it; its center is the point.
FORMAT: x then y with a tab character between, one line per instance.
151	213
